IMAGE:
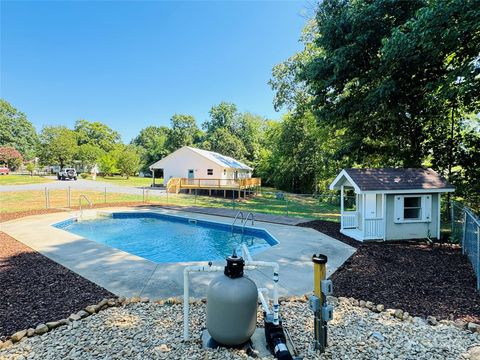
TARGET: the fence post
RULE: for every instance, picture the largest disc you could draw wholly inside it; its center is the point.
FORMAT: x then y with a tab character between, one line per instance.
464	230
286	203
105	195
478	257
46	198
69	197
143	194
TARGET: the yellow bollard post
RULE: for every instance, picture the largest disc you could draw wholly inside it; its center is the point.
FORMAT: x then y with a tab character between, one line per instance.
319	300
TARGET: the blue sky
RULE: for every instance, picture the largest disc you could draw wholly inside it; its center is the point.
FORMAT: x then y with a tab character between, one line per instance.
134	64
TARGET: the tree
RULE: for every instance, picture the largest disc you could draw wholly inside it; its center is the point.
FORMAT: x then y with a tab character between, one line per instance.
16	131
97	134
58	145
89	154
184	132
153	141
108	164
250	131
30	168
128	161
223	115
11	157
226	143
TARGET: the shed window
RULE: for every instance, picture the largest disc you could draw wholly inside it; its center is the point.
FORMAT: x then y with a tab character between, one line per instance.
412	208
209	171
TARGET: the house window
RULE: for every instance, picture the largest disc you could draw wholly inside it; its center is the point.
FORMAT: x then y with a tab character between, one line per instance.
209	171
224	171
412	208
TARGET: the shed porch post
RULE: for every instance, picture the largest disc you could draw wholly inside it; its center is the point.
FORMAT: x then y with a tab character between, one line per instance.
341	206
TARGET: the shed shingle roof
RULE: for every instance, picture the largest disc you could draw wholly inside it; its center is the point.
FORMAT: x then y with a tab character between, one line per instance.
397	179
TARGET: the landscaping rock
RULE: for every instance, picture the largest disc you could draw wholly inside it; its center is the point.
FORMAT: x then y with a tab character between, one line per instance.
405	316
362	303
91	309
83	314
30	332
74	317
369	305
379	308
431	320
111	302
399	314
6	344
473	327
460	324
144	300
18	335
53	324
135	299
151	331
474	353
41	329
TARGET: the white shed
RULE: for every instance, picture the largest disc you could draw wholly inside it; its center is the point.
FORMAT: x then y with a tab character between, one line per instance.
391	203
192	163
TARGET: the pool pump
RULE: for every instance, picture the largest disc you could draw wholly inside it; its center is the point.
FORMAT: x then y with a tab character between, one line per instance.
232	303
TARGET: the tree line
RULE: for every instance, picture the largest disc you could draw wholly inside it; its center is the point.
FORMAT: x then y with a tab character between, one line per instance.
379	83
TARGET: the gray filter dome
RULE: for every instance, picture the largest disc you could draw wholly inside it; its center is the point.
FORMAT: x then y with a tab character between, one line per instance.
232	305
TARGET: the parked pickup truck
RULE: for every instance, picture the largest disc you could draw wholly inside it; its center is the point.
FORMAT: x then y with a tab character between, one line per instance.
67	174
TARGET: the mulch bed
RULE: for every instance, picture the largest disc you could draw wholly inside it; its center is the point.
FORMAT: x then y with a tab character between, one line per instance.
332	229
423	279
35	289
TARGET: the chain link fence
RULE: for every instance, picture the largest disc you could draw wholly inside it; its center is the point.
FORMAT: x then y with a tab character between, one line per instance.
325	207
466	231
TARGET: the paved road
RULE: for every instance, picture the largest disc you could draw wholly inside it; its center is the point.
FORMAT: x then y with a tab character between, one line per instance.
83	185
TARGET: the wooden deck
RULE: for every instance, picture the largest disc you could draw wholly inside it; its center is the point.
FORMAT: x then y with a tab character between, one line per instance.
174	185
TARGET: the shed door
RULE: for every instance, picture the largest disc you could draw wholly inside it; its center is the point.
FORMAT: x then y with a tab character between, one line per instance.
370	206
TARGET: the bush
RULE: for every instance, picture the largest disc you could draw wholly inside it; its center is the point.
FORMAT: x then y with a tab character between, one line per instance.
84	175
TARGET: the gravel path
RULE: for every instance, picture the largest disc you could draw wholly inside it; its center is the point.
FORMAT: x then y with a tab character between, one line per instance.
152	331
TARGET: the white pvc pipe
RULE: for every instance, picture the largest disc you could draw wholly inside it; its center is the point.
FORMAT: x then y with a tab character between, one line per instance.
263	299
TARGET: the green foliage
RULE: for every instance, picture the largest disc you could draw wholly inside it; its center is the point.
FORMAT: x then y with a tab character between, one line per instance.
96	134
184	132
10	157
84	175
222	116
30	168
89	154
153	141
128	160
16	131
58	145
226	143
108	164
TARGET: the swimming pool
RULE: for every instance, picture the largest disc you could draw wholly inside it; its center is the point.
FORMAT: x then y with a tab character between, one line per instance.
165	238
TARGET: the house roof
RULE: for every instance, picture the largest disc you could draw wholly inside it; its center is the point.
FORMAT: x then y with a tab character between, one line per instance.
393	179
219	159
222	160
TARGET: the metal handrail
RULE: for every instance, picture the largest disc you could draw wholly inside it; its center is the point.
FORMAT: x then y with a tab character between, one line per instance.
236	217
250	214
80	201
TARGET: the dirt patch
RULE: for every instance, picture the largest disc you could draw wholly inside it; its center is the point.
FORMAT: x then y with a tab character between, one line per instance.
35	289
417	277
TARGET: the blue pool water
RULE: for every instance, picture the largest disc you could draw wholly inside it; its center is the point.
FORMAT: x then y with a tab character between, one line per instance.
166	238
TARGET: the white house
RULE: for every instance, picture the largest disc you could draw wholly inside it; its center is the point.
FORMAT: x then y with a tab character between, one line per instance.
192	163
391	203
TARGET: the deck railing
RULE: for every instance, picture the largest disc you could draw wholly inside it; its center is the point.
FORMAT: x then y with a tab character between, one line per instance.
205	183
349	220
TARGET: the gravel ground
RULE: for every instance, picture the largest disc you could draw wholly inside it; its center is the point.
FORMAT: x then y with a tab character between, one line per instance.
35	289
152	331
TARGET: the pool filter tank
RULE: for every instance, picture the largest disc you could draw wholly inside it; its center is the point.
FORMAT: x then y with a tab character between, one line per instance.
232	305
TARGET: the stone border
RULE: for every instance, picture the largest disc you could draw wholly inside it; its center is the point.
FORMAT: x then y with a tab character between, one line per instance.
399	314
404	315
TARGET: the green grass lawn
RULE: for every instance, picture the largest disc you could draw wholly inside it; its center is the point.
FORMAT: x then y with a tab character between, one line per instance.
123	181
22	179
293	205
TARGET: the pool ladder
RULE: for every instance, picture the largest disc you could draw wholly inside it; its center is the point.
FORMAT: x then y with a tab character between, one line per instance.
90	204
244	219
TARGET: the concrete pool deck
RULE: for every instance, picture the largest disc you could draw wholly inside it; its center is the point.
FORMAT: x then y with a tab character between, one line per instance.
126	274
